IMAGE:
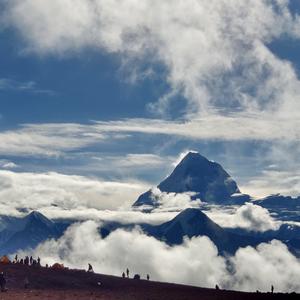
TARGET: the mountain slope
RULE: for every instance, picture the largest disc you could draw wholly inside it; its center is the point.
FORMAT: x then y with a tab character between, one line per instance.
28	232
279	201
207	180
192	222
68	284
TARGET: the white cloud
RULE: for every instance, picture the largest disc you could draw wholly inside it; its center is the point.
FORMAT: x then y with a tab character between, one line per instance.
6	164
52	192
82	244
57	138
215	52
173	201
248	216
47	139
132	160
121	216
29	86
238	126
255	218
285	182
269	264
194	262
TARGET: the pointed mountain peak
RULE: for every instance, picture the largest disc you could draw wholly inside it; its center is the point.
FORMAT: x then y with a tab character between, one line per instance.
193	155
36	216
206	179
190	213
195	173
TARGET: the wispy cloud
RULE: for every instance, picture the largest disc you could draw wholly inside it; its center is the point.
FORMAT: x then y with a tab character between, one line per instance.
6	164
215	53
239	126
7	84
81	142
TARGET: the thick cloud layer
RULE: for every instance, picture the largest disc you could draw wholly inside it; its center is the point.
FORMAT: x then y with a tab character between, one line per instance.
248	216
195	262
173	201
268	264
58	192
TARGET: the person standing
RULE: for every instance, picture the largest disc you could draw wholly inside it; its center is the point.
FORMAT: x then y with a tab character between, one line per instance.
90	268
3	282
127	272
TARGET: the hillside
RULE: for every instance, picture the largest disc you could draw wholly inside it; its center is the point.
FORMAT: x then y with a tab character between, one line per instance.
78	284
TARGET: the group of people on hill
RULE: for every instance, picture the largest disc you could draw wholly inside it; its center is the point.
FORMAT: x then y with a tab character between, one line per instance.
124	275
136	276
28	261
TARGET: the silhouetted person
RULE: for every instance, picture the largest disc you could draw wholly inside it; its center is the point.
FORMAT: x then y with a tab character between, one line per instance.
148	277
47	266
31	260
272	289
137	277
123	275
26	283
90	268
22	261
39	261
26	261
217	287
16	258
127	272
2	282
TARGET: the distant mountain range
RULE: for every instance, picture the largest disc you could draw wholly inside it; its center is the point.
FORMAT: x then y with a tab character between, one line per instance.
203	179
28	232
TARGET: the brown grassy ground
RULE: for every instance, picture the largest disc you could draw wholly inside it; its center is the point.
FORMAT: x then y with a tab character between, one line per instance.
77	284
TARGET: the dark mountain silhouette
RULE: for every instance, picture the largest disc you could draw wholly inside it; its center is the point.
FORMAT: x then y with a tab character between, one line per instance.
192	222
207	180
279	201
28	232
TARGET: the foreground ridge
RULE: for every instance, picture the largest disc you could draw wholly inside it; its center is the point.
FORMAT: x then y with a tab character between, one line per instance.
68	284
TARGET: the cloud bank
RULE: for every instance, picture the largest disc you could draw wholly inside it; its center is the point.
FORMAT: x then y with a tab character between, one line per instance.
194	262
248	216
50	192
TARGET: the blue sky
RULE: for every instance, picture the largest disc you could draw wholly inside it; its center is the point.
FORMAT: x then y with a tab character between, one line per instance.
166	80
